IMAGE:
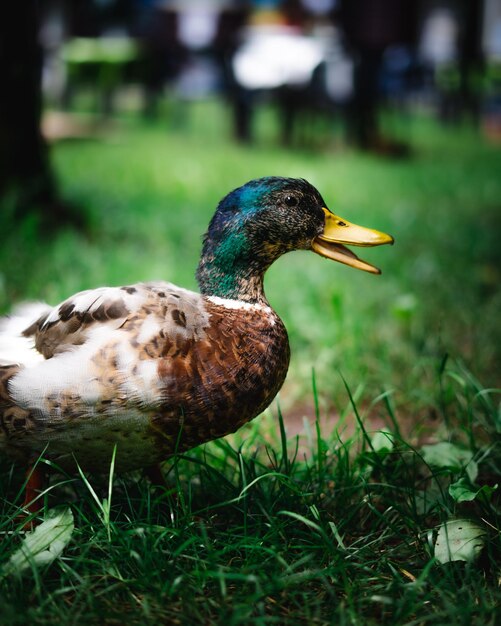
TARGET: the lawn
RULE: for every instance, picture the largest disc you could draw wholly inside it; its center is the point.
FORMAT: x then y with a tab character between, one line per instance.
309	515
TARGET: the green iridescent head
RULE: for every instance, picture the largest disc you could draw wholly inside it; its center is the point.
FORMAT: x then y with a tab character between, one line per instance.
257	223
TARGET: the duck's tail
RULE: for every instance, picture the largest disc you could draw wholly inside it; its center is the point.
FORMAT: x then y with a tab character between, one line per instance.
15	348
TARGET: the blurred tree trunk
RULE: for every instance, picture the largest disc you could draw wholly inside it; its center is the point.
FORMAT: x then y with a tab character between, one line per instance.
25	173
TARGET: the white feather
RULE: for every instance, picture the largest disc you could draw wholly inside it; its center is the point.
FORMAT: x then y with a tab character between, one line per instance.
149	329
244	306
70	370
15	349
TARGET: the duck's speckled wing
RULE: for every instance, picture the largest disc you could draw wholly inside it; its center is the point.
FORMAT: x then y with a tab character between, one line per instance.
99	363
142	306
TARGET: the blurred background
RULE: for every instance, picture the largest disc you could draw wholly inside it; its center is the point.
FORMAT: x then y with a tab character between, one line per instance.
123	122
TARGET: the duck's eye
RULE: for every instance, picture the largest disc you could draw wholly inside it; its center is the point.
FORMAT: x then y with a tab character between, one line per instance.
291	200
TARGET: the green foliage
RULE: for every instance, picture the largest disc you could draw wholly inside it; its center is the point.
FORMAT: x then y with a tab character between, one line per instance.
451	457
42	545
459	540
464	491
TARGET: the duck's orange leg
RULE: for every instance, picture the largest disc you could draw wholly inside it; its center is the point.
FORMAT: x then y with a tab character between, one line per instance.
35	480
34	485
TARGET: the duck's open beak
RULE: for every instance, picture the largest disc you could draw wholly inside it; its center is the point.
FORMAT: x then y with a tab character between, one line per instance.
337	232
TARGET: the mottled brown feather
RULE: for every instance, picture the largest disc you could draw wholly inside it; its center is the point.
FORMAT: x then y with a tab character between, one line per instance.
217	368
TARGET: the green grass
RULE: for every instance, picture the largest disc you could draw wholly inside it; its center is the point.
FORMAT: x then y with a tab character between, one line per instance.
254	533
264	528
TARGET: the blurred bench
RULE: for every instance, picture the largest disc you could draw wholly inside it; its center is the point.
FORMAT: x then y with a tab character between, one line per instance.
105	63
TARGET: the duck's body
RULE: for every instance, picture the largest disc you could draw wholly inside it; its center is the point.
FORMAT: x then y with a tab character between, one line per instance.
152	369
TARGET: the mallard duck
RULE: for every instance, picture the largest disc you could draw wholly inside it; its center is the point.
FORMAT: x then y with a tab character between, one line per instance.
153	369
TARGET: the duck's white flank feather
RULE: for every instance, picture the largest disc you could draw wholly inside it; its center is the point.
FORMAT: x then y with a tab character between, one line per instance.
93	348
15	348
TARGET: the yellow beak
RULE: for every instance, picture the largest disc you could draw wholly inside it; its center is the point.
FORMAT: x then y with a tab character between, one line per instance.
337	232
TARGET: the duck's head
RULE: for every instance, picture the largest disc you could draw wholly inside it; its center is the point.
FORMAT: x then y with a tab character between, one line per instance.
263	219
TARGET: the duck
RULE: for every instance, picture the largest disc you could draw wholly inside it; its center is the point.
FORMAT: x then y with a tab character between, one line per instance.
149	370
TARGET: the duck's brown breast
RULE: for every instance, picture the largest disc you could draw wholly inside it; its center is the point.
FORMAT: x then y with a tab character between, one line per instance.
216	383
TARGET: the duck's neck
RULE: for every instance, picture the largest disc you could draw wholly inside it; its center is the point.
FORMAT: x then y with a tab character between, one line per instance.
228	270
